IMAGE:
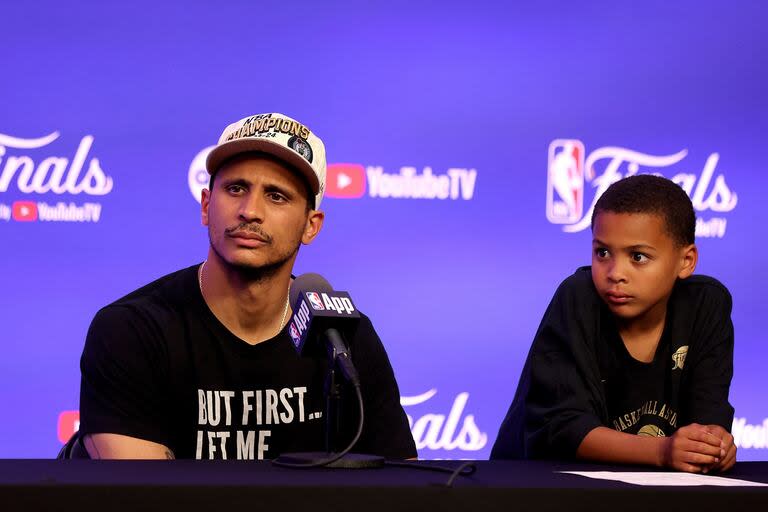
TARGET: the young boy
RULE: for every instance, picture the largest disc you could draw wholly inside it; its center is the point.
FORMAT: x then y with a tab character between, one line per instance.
634	356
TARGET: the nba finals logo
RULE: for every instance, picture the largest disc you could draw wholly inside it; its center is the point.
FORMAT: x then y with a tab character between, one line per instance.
30	167
565	181
576	180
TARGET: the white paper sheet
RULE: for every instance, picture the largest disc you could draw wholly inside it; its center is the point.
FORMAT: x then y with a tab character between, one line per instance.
666	478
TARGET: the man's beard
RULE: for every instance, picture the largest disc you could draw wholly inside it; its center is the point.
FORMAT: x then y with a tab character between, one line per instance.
257	273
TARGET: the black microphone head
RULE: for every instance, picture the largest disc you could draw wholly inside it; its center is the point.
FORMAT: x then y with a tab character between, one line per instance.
317	308
309	283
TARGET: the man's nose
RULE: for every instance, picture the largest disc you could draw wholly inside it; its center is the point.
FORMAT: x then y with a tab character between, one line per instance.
252	208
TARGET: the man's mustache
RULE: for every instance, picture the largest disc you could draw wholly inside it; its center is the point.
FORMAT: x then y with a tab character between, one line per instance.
249	227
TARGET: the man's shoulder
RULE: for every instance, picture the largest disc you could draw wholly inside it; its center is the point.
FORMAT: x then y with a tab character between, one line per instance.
364	331
136	328
159	298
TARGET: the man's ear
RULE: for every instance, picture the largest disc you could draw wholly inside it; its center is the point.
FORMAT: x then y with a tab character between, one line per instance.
688	258
314	223
205	201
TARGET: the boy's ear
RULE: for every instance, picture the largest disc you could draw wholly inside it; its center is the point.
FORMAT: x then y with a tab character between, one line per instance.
688	258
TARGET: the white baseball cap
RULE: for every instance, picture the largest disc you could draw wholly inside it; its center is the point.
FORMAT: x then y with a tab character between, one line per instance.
279	136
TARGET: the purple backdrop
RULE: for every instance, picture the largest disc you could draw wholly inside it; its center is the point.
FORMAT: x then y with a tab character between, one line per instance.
485	108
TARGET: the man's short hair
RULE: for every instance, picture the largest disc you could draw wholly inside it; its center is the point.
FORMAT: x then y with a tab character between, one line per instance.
307	188
646	193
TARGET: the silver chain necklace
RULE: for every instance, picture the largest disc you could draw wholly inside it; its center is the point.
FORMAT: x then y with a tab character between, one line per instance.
285	309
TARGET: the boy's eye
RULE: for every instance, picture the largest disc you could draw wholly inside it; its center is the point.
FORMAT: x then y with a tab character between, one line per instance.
601	252
639	257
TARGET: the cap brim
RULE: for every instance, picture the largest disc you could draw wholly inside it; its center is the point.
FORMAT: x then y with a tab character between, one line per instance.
235	147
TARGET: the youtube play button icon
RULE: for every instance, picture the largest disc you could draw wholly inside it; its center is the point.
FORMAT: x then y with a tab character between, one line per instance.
24	211
345	181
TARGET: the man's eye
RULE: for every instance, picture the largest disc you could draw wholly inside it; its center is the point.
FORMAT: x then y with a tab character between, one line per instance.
601	252
639	257
277	197
235	189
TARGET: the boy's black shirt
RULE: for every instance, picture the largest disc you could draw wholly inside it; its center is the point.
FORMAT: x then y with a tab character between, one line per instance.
576	377
638	395
158	365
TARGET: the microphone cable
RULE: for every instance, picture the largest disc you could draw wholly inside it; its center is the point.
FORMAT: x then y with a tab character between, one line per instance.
336	456
465	469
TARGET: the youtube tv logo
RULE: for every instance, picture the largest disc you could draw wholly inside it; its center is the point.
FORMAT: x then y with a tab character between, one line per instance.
24	211
345	181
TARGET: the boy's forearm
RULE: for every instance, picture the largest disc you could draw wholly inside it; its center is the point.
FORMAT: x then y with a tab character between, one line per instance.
603	444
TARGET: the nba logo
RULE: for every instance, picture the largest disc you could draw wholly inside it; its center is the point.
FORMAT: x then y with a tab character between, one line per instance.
294	332
314	300
565	181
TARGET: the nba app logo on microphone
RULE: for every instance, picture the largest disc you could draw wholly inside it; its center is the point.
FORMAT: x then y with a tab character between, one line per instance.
314	300
565	181
294	332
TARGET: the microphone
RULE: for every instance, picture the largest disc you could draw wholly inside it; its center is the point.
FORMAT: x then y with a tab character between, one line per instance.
322	314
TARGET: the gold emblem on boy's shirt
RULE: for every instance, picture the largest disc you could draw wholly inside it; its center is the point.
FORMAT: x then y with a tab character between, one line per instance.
678	358
651	431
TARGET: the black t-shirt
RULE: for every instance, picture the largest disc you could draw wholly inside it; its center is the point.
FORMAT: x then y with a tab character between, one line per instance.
575	365
638	394
159	366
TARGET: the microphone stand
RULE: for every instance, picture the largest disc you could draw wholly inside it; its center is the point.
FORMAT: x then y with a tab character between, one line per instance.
329	458
332	409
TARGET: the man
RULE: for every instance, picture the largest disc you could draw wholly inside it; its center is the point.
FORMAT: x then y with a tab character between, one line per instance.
198	364
633	359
